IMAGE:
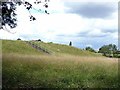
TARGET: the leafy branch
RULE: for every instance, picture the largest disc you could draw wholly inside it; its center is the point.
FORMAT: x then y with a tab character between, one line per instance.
8	15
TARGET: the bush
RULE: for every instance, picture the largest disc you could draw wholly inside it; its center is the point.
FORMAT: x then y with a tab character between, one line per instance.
90	49
39	40
18	39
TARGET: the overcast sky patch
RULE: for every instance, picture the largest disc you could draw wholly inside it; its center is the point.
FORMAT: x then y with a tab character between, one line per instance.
91	9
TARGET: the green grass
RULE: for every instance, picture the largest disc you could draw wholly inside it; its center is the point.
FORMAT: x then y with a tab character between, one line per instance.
19	47
63	49
68	67
59	72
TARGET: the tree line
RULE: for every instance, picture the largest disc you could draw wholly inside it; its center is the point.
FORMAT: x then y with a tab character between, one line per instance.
109	50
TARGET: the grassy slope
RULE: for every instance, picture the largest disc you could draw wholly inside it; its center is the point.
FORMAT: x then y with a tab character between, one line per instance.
18	47
63	70
64	49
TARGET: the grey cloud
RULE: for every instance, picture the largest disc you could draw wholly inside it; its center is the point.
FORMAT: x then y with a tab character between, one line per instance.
84	34
90	36
91	9
104	33
109	30
63	35
30	36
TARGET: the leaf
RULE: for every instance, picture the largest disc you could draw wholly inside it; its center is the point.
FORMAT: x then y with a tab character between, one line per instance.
46	12
32	18
46	5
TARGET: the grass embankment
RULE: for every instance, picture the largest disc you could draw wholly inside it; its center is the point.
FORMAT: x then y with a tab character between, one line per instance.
18	47
56	71
60	49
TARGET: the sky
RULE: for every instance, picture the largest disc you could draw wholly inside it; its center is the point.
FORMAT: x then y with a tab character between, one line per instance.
91	23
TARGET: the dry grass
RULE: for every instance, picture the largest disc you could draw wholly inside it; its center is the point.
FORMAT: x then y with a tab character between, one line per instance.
66	71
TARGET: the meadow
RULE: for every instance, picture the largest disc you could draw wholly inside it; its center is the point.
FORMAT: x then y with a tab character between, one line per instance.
24	66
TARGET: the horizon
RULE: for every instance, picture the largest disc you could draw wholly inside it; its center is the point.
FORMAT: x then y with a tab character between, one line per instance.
60	43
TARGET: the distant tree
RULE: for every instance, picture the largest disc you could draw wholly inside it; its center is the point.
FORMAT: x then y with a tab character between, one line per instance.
114	48
90	49
117	54
108	50
104	50
50	42
8	15
18	39
39	40
70	44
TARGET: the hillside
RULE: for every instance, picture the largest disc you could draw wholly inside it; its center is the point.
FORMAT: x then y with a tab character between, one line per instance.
21	47
18	47
66	67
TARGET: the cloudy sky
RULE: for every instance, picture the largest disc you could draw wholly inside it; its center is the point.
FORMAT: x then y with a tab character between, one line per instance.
84	22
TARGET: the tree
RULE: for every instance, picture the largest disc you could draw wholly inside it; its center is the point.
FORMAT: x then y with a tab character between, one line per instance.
8	15
70	44
39	40
108	50
90	49
114	48
18	39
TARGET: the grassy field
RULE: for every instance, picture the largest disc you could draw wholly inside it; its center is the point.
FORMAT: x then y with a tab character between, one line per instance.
31	68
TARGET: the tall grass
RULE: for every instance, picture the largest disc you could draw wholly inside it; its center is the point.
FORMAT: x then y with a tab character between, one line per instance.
62	71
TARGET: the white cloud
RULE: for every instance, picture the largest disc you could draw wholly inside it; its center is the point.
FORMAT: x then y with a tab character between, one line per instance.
89	45
96	33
